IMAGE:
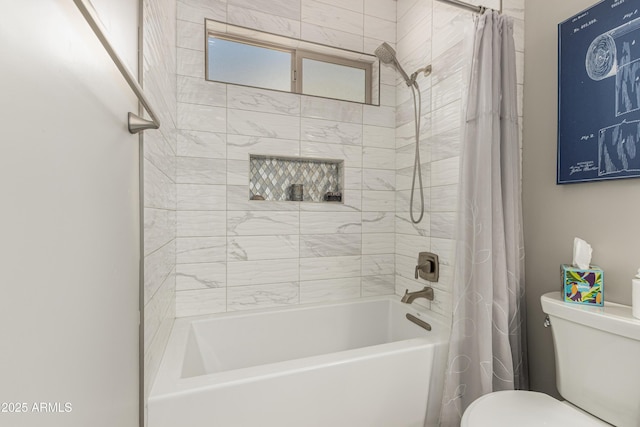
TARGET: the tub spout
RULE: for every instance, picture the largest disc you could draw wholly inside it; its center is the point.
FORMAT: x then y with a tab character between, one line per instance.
427	293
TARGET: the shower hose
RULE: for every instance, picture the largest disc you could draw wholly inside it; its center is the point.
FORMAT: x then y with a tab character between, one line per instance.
417	169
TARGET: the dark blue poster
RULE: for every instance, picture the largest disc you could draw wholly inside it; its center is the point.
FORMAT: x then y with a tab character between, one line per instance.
599	93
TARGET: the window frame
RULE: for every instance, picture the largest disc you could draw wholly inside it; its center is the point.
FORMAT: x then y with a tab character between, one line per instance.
297	55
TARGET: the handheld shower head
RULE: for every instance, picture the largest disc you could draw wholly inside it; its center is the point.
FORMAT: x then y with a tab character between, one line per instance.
387	55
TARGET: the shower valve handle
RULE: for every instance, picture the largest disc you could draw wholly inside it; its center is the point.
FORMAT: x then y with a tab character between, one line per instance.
427	267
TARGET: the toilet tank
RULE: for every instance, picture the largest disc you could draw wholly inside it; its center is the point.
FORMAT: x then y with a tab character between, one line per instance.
597	353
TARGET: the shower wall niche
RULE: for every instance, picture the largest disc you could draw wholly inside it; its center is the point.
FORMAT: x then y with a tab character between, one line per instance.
272	178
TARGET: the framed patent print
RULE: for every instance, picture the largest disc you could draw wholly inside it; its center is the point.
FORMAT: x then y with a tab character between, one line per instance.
599	93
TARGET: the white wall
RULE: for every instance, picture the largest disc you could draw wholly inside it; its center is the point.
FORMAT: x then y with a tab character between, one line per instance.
70	223
603	213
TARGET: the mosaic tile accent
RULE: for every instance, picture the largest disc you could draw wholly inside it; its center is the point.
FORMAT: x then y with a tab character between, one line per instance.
272	177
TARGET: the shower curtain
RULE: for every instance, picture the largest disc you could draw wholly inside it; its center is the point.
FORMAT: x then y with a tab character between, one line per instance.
487	350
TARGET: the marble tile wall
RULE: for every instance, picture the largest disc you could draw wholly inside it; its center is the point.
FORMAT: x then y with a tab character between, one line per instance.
159	169
433	32
235	254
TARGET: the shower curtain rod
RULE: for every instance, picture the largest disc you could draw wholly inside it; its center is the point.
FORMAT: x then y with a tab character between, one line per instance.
135	122
471	7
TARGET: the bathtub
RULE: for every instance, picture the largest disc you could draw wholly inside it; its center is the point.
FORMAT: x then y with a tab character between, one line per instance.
353	363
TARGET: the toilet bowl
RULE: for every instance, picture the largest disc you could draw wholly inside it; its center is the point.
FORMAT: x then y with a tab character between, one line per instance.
597	385
525	409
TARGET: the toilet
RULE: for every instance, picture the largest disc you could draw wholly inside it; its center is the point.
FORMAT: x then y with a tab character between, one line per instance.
597	353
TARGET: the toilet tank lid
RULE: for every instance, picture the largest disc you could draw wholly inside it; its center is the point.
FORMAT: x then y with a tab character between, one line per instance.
612	317
524	409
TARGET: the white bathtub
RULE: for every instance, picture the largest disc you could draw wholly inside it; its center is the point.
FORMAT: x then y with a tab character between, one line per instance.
347	364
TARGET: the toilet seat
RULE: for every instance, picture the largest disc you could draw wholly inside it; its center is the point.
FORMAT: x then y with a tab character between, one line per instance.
525	409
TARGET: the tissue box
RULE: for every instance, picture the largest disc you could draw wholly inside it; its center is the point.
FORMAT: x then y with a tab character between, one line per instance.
583	286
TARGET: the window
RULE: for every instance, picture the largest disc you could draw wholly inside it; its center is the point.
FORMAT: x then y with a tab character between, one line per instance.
247	57
249	64
334	78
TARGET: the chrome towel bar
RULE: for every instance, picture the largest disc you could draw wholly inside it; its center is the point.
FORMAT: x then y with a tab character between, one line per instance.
135	122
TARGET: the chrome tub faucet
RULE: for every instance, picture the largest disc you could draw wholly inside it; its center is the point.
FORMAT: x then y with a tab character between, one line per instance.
427	293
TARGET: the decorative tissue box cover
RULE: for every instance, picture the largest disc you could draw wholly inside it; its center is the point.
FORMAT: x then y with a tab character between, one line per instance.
583	286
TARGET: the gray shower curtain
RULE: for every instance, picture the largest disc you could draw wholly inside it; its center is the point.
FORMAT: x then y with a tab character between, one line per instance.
487	350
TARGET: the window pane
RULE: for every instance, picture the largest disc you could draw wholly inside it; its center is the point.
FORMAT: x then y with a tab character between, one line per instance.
245	64
333	80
